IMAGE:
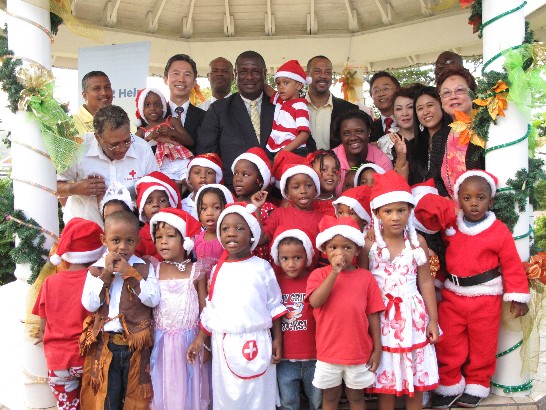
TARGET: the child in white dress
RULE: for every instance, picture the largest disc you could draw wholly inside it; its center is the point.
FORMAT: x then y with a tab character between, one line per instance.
409	326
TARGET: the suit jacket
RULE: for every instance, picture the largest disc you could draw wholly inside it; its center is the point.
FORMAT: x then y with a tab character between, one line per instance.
377	130
194	118
339	105
228	131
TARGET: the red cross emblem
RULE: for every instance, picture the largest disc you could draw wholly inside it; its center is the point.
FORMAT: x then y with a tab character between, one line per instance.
250	350
132	173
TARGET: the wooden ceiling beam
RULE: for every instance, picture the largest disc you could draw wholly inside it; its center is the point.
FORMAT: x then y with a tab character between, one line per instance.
110	15
187	22
352	18
152	17
426	7
386	10
229	23
269	21
312	24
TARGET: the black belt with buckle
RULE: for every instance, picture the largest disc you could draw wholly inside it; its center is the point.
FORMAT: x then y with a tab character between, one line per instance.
476	279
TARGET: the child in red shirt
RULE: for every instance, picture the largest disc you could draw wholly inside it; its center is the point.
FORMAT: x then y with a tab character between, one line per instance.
61	311
292	251
343	294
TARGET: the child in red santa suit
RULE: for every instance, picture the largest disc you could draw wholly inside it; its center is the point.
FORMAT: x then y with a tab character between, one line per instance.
478	249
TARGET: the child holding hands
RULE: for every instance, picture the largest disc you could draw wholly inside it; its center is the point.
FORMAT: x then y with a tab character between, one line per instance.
244	303
409	326
340	294
120	290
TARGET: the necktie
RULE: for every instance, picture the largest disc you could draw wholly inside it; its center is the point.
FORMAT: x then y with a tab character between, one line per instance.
388	122
255	118
179	111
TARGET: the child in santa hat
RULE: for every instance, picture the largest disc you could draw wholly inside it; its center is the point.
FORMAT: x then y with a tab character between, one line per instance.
342	293
202	170
244	303
183	292
290	129
300	185
478	249
154	191
292	252
366	172
252	173
164	131
398	259
326	165
61	312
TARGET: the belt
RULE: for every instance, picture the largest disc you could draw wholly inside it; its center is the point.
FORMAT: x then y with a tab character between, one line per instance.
118	339
476	279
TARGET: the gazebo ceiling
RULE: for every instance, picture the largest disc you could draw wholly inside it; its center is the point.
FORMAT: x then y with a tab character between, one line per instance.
373	34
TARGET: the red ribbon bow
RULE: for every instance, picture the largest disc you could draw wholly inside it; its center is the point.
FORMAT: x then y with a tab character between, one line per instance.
394	301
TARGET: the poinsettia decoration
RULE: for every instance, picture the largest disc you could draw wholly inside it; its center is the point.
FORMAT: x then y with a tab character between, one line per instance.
496	101
465	3
463	125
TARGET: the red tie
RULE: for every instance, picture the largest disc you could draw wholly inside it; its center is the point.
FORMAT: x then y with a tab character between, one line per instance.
388	122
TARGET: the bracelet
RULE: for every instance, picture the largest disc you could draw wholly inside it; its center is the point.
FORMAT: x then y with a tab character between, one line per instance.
207	347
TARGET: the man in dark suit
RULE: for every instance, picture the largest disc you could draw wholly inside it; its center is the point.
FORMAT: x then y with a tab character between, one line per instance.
383	86
323	106
180	75
243	120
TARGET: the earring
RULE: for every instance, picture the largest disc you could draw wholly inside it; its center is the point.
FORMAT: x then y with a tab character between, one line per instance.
251	240
421	127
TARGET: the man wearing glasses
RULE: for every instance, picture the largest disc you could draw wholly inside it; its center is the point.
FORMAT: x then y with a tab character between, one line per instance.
111	154
323	106
383	86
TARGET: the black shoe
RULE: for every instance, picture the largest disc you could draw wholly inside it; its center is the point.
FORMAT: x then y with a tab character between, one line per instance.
468	400
442	402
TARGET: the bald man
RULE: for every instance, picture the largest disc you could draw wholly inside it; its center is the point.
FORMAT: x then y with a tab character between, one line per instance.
220	76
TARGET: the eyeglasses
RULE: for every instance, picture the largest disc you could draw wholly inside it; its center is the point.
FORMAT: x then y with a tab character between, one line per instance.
384	90
458	91
117	146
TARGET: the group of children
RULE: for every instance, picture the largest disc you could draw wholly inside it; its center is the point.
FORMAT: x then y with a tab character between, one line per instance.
237	302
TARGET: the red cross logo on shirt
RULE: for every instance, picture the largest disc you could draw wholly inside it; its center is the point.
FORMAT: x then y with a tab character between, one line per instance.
132	173
250	350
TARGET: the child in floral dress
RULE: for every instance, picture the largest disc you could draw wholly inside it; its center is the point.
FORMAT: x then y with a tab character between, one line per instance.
409	325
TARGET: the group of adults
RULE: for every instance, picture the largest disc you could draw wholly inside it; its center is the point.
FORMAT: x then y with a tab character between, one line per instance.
223	125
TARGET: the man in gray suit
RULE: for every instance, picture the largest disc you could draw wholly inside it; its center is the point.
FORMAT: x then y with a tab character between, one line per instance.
243	120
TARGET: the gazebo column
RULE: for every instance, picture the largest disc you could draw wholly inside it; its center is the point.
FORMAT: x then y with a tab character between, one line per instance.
34	178
500	34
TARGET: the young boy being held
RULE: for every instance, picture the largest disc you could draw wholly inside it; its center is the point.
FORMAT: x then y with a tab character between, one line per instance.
342	293
58	305
121	290
293	251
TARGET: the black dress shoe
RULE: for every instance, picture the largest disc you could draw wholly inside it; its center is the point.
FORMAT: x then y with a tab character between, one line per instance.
443	402
468	400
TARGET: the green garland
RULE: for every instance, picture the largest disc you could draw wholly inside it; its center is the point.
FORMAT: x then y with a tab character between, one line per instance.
9	66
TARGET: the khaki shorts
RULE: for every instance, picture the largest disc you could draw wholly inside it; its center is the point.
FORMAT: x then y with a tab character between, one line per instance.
329	375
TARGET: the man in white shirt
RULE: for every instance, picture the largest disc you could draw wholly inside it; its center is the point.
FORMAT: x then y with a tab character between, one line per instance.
383	86
220	76
111	154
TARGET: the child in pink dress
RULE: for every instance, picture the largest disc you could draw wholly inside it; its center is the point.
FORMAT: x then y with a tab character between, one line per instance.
409	326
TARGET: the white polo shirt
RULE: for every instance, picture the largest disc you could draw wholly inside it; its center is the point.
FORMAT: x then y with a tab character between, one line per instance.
138	162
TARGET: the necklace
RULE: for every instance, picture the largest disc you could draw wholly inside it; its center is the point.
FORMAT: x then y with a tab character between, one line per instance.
325	199
181	266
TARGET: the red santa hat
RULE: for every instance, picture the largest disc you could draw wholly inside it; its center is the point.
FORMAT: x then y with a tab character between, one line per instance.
283	232
358	199
246	211
363	167
423	188
80	242
293	70
156	181
258	157
116	191
186	224
282	161
388	188
141	96
210	160
346	227
489	178
227	193
434	213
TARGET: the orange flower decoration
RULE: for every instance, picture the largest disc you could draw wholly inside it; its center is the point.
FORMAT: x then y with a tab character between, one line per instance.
465	3
536	267
496	104
463	125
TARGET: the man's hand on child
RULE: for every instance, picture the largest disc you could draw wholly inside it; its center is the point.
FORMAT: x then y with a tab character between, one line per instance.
375	359
277	351
518	309
433	332
258	199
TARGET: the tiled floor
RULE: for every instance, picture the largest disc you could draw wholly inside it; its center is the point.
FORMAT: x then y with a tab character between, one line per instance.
12	380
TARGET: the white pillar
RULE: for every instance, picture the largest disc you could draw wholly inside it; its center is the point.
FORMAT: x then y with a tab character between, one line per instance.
502	34
27	40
